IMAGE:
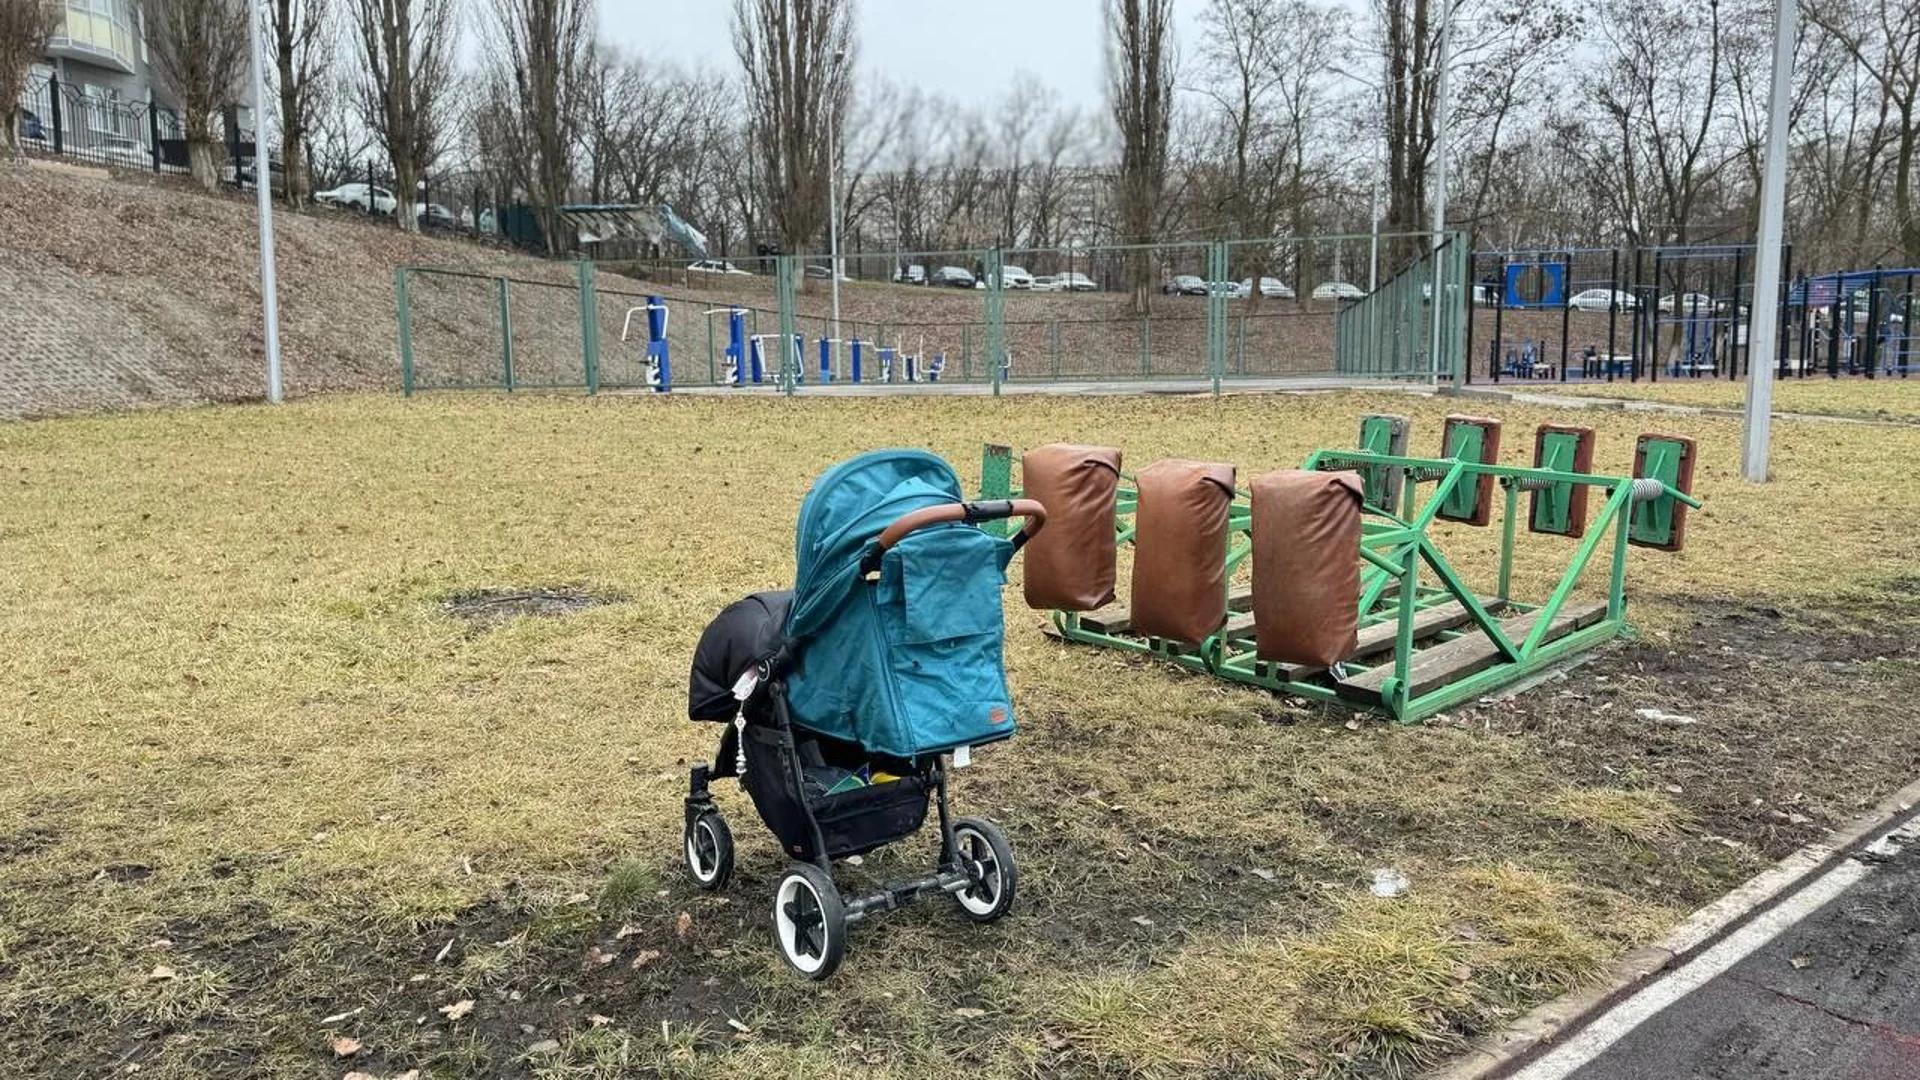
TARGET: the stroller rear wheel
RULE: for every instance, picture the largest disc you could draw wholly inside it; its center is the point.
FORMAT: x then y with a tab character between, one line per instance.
708	845
810	921
981	850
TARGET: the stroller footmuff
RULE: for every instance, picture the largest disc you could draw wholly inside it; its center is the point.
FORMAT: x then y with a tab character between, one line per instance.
846	696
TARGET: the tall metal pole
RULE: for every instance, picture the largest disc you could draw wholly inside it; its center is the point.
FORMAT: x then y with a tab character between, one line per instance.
1440	192
262	172
1373	226
1766	274
833	208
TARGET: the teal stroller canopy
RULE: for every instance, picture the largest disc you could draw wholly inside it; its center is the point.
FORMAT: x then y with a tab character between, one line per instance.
909	661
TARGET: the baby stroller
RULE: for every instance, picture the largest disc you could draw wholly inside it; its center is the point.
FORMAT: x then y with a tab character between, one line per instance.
847	695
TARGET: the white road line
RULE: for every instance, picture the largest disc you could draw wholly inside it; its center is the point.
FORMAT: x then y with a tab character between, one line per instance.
1595	1038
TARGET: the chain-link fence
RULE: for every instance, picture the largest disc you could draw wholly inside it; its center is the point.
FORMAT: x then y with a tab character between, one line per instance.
1209	312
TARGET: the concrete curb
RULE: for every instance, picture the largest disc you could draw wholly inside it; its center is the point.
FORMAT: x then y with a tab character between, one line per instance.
1499	1054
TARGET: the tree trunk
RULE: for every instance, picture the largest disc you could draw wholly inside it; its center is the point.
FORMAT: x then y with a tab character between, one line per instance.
405	179
200	161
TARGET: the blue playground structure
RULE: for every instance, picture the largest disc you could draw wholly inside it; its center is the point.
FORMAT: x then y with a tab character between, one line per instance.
1856	322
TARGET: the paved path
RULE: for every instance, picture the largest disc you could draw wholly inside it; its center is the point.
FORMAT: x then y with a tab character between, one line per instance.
1825	986
1105	387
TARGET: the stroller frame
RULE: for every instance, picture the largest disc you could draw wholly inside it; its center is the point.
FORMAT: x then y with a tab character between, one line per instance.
811	915
950	876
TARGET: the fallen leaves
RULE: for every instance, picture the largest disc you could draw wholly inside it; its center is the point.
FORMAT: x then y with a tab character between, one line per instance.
160	973
684	924
645	957
345	1046
458	1009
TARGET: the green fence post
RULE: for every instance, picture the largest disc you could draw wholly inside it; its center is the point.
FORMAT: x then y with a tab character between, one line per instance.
401	302
713	370
996	319
589	327
783	269
506	333
1217	314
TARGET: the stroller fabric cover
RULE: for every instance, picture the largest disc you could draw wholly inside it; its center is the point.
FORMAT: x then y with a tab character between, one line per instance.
911	663
742	633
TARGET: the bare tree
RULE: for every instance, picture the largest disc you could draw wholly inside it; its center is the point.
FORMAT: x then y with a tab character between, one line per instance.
1883	38
302	43
200	49
1061	141
25	26
544	59
1140	95
406	86
795	56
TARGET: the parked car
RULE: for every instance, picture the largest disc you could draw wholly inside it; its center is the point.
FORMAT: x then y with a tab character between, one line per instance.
911	275
1270	288
243	173
714	266
1338	290
1184	285
122	151
1045	283
1073	281
434	216
824	273
1692	303
1015	277
30	126
1602	300
354	196
953	277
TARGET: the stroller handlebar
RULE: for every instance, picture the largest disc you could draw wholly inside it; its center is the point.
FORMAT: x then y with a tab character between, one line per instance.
970	512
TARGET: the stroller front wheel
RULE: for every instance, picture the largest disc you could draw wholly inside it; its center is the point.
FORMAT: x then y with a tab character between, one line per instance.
981	850
810	921
708	846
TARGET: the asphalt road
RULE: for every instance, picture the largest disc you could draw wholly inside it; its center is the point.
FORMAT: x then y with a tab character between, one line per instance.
1835	996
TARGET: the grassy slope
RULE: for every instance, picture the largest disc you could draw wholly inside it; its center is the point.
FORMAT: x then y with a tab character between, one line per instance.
248	746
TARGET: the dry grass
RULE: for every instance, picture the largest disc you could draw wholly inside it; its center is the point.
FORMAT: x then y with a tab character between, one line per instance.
1878	399
228	668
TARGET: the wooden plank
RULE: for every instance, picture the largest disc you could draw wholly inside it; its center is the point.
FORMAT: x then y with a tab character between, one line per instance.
1117	618
1451	661
1380	636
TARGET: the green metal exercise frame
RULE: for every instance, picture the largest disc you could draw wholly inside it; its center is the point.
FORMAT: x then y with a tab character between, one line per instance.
1424	647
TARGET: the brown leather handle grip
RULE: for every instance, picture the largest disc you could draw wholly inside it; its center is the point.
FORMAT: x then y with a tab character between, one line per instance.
1030	509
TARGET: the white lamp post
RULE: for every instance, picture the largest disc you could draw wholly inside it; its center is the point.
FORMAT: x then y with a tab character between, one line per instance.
262	181
1765	326
833	205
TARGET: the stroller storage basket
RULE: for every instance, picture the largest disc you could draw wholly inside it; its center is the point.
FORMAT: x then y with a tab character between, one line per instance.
850	822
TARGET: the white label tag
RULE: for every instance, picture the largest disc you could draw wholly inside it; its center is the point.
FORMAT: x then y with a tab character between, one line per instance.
743	686
962	756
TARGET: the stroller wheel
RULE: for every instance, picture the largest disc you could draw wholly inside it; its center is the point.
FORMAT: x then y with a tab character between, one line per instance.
810	921
708	845
983	852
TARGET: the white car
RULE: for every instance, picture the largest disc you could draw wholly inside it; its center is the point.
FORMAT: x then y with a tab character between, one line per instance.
1692	303
911	275
1045	283
1270	288
355	196
1073	282
715	266
1015	277
122	151
1338	290
1602	300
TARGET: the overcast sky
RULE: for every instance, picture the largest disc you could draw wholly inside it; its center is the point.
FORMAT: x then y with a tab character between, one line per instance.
968	50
